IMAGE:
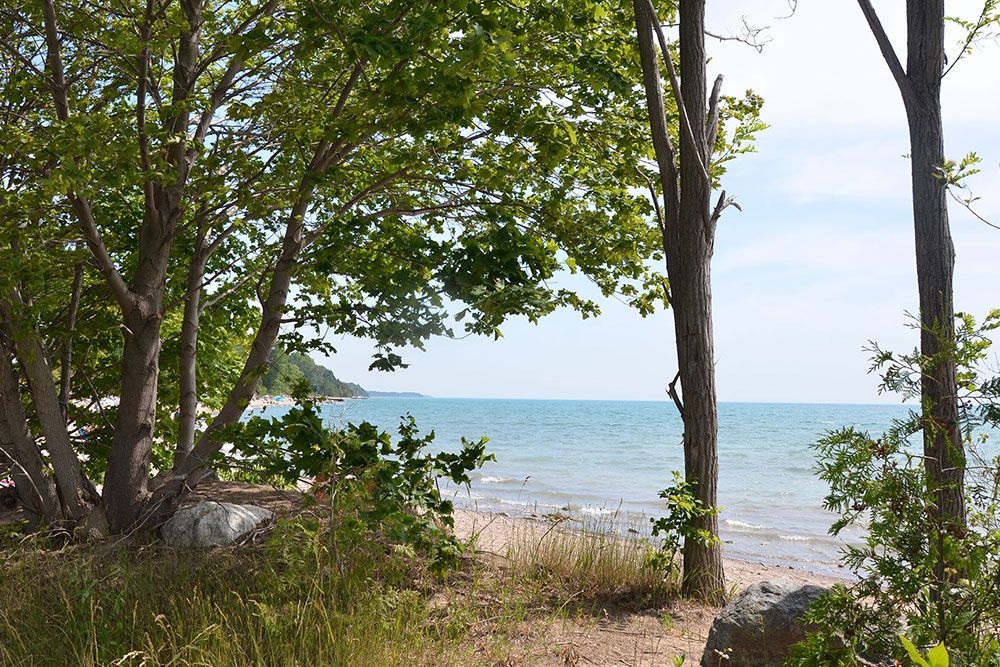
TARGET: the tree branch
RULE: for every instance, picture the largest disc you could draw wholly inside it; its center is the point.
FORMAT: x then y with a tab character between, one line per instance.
81	206
713	116
672	392
686	130
66	359
985	18
888	53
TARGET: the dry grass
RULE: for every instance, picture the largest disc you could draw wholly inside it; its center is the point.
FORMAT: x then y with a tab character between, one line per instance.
530	601
590	566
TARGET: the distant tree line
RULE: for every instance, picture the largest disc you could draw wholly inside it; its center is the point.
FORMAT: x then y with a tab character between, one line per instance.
286	370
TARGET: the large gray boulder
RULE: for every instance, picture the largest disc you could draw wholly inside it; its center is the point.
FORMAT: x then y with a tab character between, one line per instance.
758	627
212	524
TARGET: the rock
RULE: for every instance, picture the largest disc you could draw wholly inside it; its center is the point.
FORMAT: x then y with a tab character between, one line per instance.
212	524
758	627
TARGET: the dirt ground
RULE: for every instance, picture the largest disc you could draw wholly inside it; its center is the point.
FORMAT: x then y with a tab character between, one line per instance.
643	639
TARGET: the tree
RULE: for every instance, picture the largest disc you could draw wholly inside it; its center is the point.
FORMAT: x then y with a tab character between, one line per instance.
688	222
228	174
284	371
920	88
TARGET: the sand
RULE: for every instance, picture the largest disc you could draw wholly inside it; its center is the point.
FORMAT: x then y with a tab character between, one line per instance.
650	638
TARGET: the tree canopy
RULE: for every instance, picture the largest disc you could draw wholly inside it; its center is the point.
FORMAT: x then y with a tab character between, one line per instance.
187	182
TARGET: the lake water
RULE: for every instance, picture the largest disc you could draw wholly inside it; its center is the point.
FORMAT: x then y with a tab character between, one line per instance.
590	459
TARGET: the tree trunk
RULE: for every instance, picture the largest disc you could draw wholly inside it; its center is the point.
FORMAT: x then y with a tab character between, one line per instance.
185	475
691	259
688	228
76	492
66	359
943	447
126	479
920	87
35	491
189	358
703	571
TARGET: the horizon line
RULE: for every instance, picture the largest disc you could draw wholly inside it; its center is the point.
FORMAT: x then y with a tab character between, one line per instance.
627	400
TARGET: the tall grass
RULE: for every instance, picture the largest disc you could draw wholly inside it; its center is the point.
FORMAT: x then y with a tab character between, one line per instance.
157	606
595	564
302	600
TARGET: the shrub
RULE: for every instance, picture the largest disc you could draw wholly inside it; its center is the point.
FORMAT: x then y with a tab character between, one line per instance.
918	574
367	482
684	511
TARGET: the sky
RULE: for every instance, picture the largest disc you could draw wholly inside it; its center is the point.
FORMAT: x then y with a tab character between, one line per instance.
819	262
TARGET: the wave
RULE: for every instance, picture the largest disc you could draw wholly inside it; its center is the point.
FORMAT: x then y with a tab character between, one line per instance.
488	479
733	523
596	511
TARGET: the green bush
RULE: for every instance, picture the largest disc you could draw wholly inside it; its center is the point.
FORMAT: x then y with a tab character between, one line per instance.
919	574
367	483
684	512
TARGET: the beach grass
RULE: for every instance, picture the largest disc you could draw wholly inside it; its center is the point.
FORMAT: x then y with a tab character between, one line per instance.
595	564
289	602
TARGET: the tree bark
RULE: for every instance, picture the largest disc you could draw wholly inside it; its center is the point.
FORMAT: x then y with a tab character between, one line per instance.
126	478
943	446
76	492
920	87
688	228
691	259
189	357
35	491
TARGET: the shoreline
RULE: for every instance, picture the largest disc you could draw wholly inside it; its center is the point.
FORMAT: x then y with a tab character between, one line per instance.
497	532
263	402
737	545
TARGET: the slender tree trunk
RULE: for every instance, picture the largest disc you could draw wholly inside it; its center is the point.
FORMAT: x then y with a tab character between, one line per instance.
943	447
76	492
189	360
66	359
688	227
920	87
692	259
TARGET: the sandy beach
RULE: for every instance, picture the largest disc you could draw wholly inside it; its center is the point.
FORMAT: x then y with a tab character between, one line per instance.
618	638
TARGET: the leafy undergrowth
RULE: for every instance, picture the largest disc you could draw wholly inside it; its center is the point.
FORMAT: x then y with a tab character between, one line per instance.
302	599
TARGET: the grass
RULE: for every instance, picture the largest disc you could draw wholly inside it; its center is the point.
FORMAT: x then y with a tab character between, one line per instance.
292	602
591	566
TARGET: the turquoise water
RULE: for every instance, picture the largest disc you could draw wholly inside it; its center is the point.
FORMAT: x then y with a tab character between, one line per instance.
594	458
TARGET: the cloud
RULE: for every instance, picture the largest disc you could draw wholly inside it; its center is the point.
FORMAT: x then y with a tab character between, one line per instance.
862	171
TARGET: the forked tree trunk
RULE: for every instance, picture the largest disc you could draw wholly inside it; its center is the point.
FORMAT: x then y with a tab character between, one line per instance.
688	226
692	260
920	87
190	469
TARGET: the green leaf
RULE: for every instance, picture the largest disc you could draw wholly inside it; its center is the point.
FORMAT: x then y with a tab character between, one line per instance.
938	656
912	651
